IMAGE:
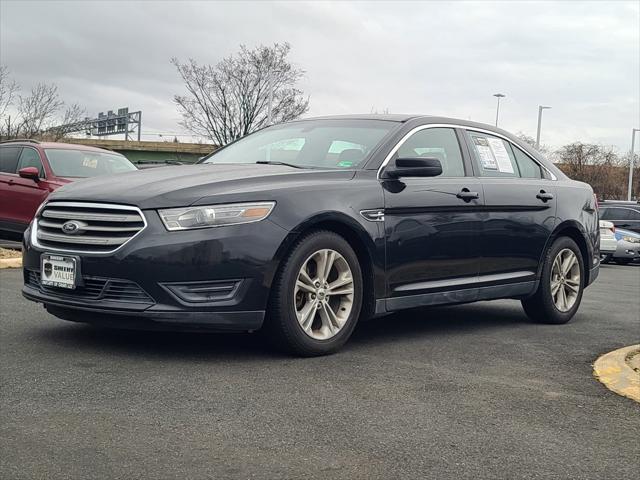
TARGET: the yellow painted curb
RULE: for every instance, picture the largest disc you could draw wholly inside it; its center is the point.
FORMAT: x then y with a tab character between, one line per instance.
10	263
616	370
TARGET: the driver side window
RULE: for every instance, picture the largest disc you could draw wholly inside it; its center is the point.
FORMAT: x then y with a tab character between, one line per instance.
439	143
30	158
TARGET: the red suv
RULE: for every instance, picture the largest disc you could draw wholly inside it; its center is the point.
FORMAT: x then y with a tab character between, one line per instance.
30	170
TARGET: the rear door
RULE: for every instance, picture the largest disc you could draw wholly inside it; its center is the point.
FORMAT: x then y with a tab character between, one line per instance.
431	233
520	209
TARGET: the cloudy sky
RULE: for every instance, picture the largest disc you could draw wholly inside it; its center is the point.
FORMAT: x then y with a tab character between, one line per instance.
443	58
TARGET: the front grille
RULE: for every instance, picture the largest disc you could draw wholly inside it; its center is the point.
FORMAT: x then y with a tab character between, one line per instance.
94	288
89	227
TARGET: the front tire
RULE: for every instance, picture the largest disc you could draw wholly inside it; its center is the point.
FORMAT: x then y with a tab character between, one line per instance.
561	284
316	297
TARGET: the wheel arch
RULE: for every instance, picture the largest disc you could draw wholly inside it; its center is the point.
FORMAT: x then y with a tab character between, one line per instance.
355	234
577	232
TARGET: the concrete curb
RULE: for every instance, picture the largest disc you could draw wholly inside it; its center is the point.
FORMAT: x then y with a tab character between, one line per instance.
616	371
10	263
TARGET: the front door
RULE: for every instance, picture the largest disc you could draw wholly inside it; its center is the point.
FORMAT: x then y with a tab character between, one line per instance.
431	231
27	193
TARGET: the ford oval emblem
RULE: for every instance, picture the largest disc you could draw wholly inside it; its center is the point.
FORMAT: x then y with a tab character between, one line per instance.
71	227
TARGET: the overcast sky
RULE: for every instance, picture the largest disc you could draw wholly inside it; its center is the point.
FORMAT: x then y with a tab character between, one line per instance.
441	58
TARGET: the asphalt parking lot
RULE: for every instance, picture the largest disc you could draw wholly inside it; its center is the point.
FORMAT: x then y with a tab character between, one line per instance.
472	391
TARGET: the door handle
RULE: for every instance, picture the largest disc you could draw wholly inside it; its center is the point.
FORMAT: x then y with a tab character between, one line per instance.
467	195
544	196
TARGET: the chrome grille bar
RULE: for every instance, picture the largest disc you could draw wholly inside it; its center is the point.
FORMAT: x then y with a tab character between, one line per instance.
96	228
101	217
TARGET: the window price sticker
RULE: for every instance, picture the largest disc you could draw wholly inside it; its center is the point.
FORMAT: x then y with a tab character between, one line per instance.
501	155
487	159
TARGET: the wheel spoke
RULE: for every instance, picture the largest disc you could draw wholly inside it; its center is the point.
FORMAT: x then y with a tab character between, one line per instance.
555	285
572	285
304	277
342	286
568	263
302	285
331	257
329	318
321	264
306	316
563	299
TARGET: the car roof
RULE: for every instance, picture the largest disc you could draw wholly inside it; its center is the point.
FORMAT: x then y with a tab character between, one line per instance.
621	203
419	118
57	145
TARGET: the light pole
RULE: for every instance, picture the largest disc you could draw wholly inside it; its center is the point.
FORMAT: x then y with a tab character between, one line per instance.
631	161
498	96
540	109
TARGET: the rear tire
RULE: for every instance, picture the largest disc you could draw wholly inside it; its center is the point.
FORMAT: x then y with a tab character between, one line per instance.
316	297
561	284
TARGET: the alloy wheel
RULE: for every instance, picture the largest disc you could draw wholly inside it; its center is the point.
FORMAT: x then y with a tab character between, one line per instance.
565	280
323	295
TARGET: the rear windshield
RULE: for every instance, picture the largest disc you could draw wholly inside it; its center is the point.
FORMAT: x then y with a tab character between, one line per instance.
86	163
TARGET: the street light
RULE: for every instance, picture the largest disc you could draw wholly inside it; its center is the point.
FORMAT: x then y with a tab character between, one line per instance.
498	96
631	161
540	108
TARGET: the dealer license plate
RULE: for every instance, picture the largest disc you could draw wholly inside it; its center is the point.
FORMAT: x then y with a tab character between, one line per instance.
58	271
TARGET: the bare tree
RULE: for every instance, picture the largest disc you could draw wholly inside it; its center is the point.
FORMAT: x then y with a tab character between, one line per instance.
231	99
596	165
8	92
74	113
528	139
37	110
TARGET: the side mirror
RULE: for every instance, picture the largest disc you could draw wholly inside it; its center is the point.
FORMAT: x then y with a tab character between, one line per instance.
413	167
30	172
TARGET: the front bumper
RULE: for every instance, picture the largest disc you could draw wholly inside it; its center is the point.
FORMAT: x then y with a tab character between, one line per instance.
140	285
627	250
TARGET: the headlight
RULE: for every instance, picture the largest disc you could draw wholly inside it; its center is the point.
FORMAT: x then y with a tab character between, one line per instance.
631	239
214	215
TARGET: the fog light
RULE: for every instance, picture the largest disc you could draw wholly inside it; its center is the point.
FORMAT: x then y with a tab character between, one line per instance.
204	292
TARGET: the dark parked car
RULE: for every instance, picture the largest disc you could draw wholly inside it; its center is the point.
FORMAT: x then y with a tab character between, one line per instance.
31	170
622	214
303	228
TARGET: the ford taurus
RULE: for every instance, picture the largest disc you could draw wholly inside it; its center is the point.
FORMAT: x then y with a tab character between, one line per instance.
305	228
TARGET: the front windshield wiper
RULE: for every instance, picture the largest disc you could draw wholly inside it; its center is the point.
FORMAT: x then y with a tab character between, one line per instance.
272	162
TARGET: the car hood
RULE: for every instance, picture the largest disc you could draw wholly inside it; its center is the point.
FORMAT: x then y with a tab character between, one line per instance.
176	186
621	232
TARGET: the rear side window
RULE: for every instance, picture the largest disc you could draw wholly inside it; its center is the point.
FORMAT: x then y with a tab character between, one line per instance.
527	166
613	213
440	143
30	158
9	159
493	156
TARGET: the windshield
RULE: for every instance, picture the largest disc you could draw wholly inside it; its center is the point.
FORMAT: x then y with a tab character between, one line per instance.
86	163
309	144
